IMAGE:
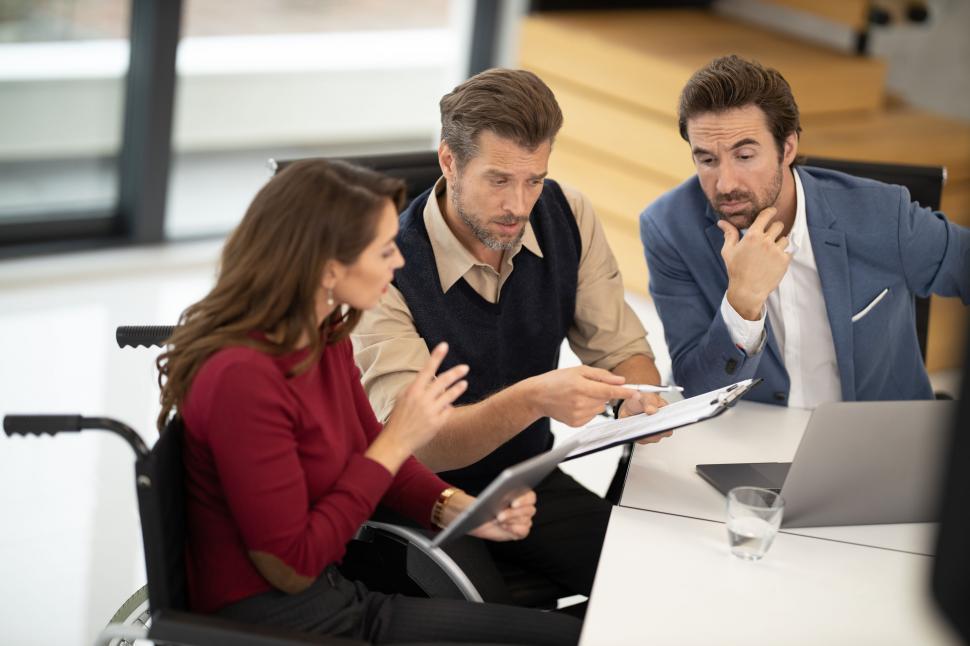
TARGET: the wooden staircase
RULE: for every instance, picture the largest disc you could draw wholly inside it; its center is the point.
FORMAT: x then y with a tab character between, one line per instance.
618	77
852	13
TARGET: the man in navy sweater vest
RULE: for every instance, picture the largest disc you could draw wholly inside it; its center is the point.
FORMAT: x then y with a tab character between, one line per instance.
504	264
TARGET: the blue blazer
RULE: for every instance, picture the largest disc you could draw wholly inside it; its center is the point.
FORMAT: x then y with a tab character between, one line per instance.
866	236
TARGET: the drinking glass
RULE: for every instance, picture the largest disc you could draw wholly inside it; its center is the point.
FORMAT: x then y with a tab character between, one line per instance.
754	515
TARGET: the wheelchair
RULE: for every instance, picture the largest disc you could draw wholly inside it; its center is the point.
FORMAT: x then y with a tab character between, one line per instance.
159	483
386	556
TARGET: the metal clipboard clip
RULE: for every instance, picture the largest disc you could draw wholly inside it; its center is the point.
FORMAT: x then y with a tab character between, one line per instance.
731	396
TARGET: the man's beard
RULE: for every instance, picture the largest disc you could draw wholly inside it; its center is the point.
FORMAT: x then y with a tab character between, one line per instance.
758	202
478	228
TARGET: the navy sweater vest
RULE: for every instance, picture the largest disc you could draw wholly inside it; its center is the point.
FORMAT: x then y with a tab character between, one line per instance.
505	342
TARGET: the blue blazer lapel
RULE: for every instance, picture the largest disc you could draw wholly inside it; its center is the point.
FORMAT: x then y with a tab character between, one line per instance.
832	261
715	237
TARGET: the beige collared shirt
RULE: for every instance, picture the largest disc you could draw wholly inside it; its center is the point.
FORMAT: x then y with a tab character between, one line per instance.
605	330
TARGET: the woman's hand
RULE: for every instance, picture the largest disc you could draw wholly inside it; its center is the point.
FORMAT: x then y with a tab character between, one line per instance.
512	523
420	411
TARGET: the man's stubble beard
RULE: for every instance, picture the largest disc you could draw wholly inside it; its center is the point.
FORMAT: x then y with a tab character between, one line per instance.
758	204
474	223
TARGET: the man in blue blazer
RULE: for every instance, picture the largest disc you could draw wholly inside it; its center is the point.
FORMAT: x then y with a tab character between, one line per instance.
800	276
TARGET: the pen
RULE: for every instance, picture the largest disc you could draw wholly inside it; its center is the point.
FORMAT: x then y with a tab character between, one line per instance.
643	388
649	388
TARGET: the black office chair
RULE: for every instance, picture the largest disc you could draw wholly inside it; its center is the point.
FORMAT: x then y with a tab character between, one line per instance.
160	485
925	185
419	170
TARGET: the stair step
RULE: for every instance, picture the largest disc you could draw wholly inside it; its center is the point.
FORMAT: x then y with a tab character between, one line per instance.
628	251
618	193
899	134
634	136
851	13
644	57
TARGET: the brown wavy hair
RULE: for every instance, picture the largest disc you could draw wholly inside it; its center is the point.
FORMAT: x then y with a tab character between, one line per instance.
311	212
733	82
514	104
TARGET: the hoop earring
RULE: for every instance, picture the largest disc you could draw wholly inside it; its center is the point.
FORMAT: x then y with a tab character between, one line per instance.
329	298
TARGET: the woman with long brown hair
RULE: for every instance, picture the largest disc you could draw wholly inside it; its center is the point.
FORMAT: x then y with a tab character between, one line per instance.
284	457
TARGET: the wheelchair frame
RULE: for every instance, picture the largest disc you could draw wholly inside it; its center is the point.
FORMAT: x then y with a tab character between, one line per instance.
431	569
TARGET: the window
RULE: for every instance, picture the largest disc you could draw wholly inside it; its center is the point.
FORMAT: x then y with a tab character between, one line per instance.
285	79
62	72
93	153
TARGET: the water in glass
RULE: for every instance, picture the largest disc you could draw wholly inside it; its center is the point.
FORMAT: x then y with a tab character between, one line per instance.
750	537
753	517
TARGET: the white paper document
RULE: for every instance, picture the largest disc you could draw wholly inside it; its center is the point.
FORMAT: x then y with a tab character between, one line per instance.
687	411
517	479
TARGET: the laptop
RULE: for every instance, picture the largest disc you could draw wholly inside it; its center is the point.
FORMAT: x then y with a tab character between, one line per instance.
859	463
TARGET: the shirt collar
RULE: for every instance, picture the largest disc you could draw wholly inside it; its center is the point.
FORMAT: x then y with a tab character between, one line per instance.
452	259
799	227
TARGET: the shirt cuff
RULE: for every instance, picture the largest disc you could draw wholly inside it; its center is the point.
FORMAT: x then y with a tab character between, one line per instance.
417	490
747	335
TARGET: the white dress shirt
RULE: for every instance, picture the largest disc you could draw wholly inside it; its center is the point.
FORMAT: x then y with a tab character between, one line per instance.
799	321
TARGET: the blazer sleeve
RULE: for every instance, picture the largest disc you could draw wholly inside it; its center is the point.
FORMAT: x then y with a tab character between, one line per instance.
703	355
934	252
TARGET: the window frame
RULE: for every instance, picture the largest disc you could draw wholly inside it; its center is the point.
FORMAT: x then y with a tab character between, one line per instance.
145	155
143	160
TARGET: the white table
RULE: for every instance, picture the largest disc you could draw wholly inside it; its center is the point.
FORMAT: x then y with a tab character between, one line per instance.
666	575
667	579
662	476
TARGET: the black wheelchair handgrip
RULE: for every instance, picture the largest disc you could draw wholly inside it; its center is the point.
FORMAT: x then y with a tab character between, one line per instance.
39	424
147	335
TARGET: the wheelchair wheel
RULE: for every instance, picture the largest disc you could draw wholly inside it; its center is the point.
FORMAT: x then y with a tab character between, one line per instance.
133	612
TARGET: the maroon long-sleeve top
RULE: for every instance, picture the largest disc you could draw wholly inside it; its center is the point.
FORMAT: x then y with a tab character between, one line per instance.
275	464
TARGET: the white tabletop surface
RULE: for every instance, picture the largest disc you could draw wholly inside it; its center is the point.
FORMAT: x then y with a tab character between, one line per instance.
666	579
663	478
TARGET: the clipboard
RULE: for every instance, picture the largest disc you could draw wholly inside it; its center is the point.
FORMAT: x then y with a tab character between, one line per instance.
516	480
612	433
506	487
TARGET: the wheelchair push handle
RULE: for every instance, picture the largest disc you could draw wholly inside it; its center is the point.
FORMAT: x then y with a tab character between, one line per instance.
41	424
132	336
54	424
